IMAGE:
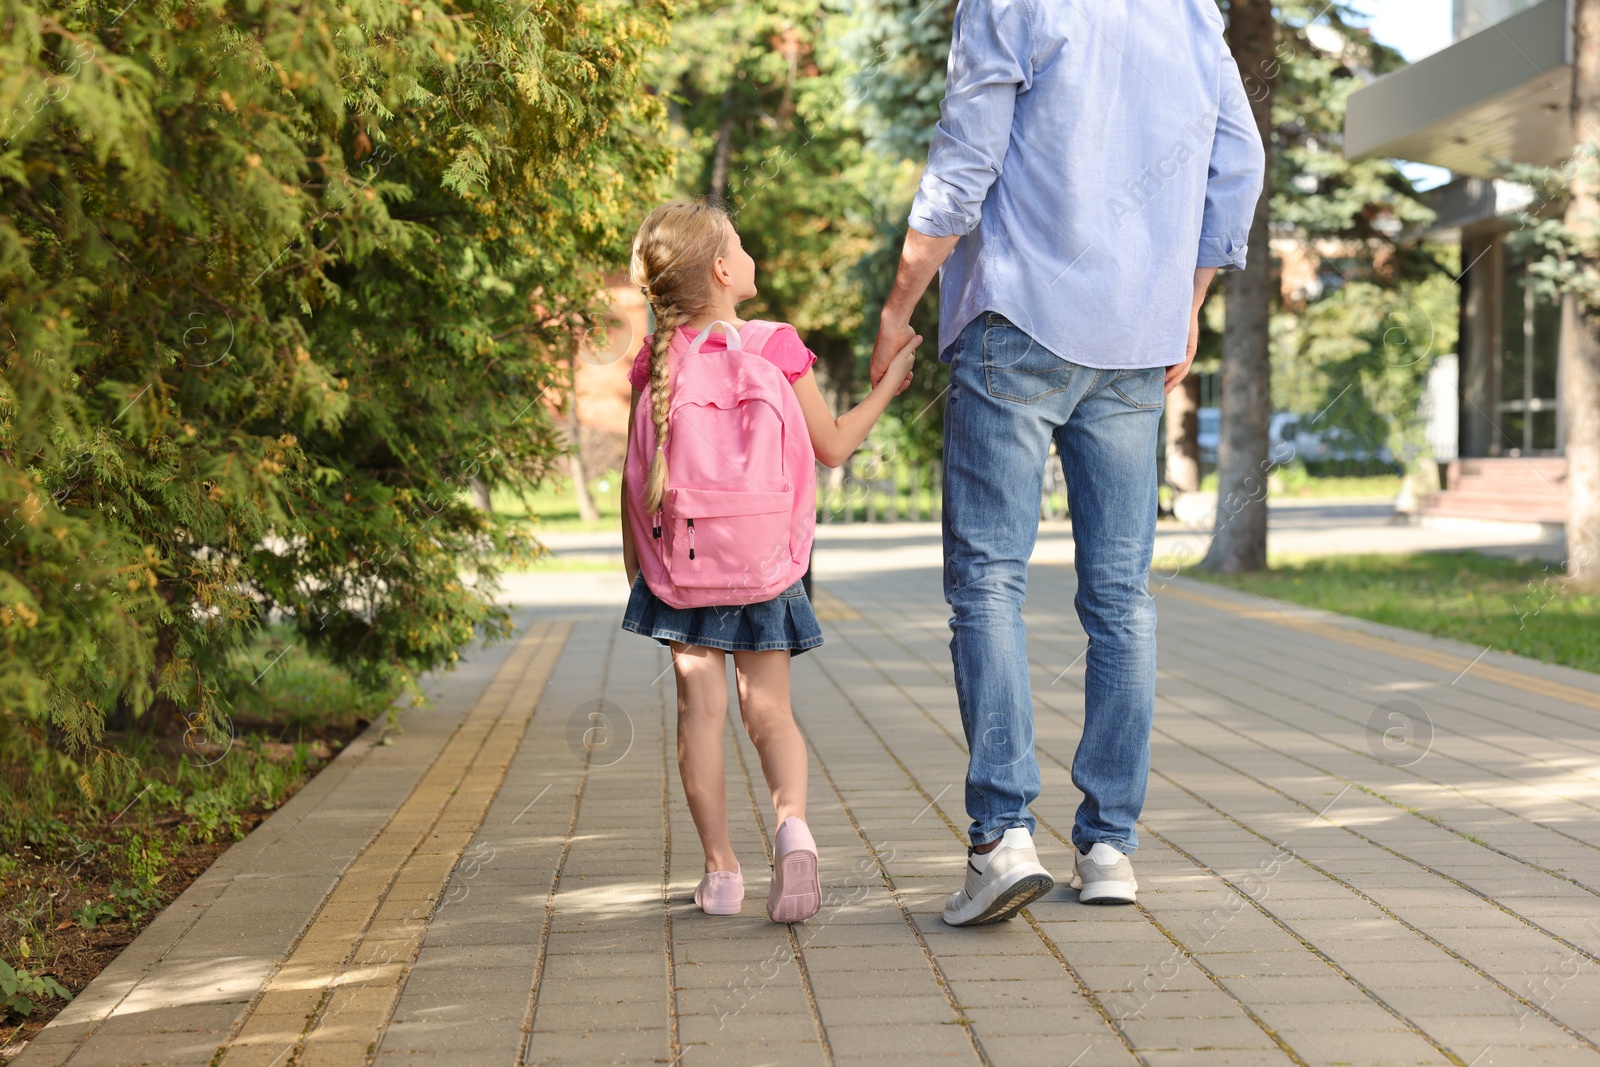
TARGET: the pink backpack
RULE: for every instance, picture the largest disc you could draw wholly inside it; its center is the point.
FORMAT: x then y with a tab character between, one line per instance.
739	512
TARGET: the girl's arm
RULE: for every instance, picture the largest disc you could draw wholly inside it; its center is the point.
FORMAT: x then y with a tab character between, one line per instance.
834	440
630	551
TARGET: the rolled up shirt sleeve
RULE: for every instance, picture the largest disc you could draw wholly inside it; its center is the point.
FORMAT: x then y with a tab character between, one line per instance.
990	63
1236	178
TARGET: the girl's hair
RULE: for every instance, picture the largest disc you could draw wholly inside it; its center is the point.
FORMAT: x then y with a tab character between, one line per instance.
671	264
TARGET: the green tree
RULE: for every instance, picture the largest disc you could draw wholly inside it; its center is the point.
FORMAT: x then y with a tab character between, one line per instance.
1362	353
765	111
899	50
1313	57
278	281
1239	539
782	108
896	53
1570	270
1299	63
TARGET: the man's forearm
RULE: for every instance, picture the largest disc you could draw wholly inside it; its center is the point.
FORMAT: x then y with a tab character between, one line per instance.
1202	282
920	259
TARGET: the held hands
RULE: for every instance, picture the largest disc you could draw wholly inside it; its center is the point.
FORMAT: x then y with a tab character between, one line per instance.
895	344
899	369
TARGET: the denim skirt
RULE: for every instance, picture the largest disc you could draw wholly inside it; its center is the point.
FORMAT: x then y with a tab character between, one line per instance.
785	621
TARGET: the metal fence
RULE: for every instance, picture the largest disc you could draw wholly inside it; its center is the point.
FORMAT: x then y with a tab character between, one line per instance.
876	485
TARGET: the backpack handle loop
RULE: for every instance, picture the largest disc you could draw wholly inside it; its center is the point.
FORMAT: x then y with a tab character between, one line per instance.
727	328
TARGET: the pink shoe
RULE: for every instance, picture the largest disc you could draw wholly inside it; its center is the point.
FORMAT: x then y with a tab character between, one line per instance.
796	894
720	892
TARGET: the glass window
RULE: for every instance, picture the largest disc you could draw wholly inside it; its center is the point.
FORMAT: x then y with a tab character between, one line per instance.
1546	346
1512	425
1513	327
1530	346
1543	430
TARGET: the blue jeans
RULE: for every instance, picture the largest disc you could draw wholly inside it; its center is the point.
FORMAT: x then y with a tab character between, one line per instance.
1009	397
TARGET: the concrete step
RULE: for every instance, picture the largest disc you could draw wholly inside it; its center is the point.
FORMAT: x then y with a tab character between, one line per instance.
1544	471
1553	466
1504	483
1522	491
1508	507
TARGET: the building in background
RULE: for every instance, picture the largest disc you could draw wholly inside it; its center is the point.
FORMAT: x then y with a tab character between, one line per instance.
1500	93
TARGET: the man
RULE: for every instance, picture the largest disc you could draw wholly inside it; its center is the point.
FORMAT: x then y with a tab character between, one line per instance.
1094	165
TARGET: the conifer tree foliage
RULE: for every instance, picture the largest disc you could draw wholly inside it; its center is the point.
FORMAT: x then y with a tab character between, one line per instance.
277	279
903	48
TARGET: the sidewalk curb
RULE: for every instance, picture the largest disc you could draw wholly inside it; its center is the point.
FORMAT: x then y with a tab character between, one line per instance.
414	750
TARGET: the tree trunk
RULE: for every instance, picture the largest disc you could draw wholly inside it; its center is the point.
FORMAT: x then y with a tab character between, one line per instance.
580	479
1240	541
1580	374
1183	436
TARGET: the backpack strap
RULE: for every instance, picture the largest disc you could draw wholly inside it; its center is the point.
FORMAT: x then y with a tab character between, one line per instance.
754	335
733	336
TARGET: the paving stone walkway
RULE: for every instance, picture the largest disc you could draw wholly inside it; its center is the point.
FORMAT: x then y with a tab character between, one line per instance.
1361	847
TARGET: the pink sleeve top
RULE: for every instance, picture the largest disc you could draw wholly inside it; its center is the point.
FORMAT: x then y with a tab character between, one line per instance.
783	349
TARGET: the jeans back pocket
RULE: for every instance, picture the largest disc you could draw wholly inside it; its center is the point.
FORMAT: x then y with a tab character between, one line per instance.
1018	368
1143	388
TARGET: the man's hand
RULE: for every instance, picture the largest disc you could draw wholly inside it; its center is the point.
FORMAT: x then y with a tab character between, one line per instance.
920	258
1179	371
893	336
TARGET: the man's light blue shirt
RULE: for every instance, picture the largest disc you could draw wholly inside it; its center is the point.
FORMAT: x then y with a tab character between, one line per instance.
1092	154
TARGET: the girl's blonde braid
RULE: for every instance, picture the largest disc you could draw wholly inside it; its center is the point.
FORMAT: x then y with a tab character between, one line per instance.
668	319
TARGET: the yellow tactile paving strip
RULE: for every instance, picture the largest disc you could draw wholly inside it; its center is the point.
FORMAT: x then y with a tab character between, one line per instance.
1528	683
830	608
333	996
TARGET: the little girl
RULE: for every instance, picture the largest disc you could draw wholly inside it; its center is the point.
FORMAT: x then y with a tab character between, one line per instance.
689	263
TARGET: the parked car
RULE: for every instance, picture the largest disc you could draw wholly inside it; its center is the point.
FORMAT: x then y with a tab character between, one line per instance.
1287	438
1344	445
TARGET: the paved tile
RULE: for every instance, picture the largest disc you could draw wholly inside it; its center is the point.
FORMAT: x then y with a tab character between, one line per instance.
487	879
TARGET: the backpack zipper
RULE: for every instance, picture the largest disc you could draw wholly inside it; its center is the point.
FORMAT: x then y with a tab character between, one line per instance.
691	539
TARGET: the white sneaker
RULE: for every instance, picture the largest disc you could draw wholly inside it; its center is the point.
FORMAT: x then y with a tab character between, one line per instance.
1010	880
1103	875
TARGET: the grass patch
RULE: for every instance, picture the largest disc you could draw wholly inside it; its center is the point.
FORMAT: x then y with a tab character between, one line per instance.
82	874
553	564
553	508
1293	483
297	693
1510	605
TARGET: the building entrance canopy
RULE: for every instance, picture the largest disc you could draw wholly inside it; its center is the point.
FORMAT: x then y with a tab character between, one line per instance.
1501	94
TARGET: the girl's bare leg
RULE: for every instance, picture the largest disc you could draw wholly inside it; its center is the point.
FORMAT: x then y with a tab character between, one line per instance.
702	675
763	679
